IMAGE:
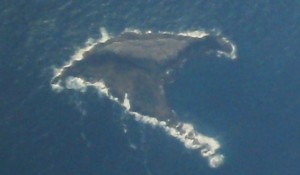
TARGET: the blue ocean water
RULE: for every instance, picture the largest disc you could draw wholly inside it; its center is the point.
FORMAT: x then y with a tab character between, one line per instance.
251	104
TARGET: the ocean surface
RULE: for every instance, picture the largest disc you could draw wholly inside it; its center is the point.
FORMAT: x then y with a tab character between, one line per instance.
250	105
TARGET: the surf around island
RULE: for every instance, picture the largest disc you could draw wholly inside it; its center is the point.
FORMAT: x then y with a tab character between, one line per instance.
132	69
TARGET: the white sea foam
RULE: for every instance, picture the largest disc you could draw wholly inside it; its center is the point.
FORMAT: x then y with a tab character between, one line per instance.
184	132
195	34
126	102
76	83
77	56
233	54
